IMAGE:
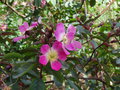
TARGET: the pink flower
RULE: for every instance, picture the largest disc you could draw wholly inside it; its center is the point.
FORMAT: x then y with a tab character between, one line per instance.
67	37
43	2
52	54
23	28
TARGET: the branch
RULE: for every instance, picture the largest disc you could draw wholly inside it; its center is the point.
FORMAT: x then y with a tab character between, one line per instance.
98	79
23	16
94	52
49	82
100	13
41	71
99	47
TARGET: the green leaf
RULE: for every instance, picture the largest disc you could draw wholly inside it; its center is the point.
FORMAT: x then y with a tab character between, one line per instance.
37	3
95	45
57	83
23	70
92	3
37	84
12	55
58	76
15	86
73	85
82	30
79	69
53	2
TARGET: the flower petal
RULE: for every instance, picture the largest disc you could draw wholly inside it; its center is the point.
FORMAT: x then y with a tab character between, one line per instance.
43	60
74	45
34	24
77	45
60	31
56	65
40	20
44	48
66	52
26	25
61	54
71	29
70	46
23	27
19	38
70	36
57	45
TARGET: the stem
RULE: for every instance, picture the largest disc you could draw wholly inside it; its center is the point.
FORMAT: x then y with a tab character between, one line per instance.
98	79
14	10
49	82
107	8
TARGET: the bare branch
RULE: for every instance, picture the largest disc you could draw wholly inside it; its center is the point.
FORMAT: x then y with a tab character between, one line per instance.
14	10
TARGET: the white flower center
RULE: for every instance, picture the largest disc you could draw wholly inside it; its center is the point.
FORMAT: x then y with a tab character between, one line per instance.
52	55
65	40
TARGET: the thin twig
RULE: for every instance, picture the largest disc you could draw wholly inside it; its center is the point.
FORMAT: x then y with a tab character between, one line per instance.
99	47
117	40
14	10
107	8
49	82
98	79
40	71
94	52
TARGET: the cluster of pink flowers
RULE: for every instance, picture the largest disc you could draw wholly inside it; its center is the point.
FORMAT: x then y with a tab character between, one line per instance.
64	43
23	28
59	50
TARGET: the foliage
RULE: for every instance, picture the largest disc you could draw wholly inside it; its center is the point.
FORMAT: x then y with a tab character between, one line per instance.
95	66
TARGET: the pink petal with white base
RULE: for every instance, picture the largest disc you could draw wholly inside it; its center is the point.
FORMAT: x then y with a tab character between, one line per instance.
61	53
60	31
56	65
44	48
43	60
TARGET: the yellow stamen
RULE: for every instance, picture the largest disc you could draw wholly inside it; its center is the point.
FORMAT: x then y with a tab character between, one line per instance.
52	55
65	40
